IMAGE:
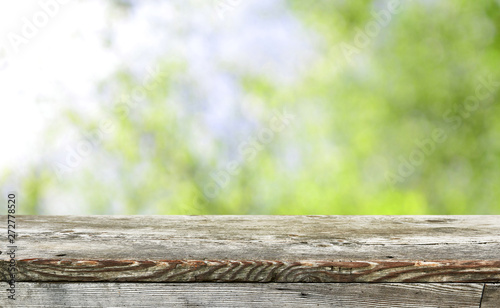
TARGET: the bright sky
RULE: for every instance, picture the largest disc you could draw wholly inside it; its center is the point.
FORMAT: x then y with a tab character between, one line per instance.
43	68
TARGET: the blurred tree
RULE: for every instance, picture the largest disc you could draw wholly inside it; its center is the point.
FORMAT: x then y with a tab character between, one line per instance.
386	85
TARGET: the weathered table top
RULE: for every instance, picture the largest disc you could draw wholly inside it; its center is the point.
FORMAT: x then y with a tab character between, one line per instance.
318	252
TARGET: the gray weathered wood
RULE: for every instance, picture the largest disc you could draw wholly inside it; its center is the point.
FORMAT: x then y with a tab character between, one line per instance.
491	296
258	248
245	295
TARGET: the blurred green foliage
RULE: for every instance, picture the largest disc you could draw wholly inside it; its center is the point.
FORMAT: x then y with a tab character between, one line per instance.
359	116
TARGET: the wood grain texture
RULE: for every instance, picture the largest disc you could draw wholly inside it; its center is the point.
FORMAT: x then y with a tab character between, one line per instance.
244	295
257	271
491	296
258	248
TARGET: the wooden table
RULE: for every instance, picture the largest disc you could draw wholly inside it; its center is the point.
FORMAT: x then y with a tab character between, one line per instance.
254	261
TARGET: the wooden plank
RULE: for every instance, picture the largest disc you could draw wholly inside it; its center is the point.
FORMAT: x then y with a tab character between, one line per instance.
258	248
245	295
491	296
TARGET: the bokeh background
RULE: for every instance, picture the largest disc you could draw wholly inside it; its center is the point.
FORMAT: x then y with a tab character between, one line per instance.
250	107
